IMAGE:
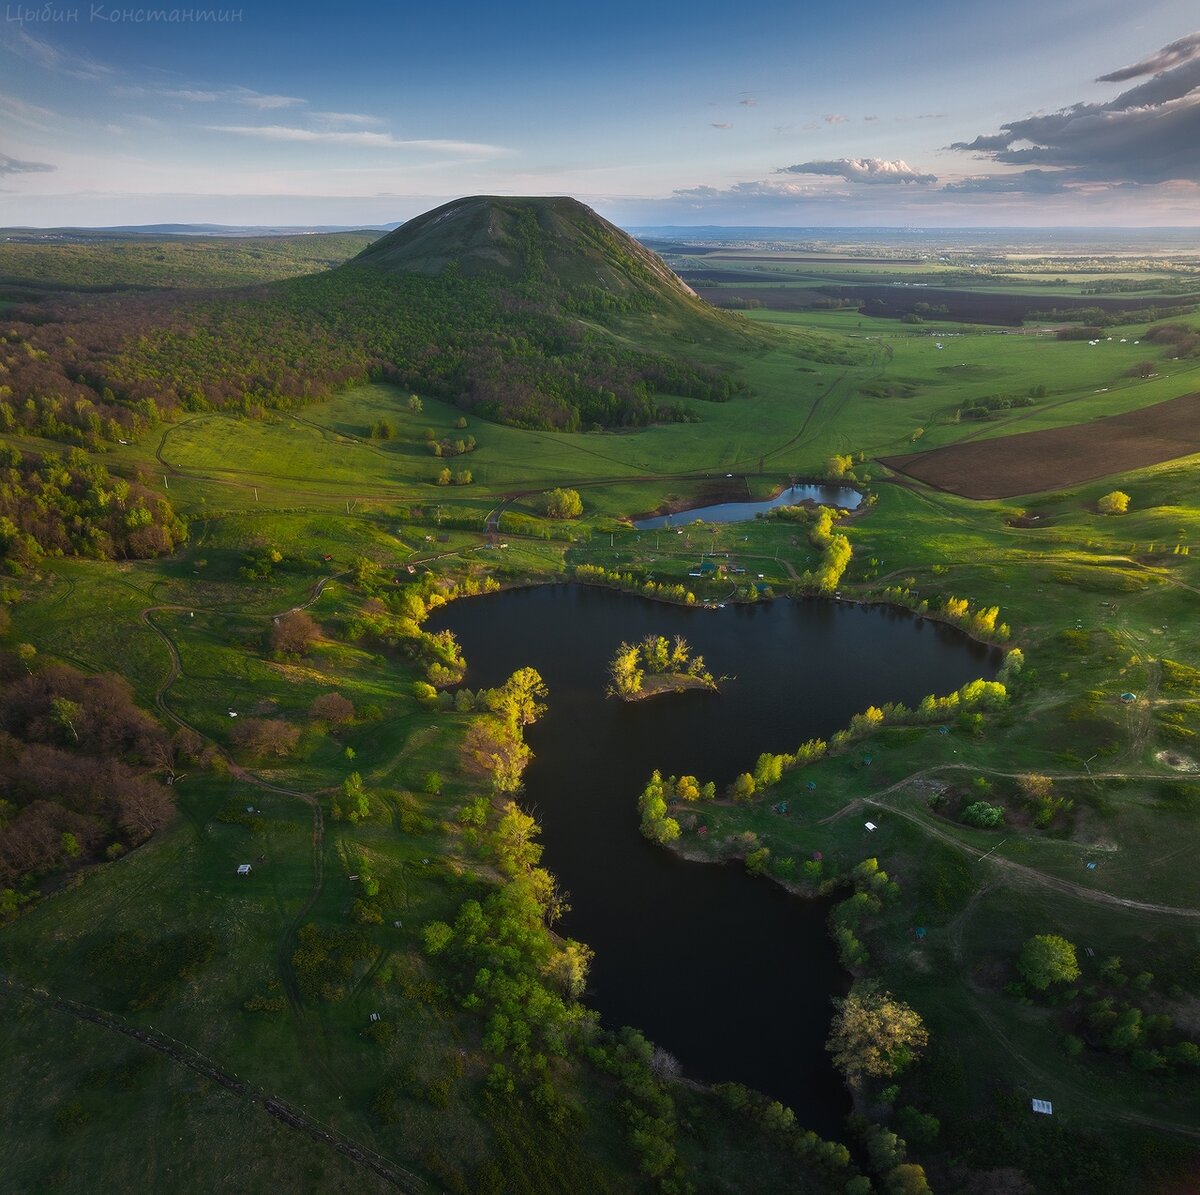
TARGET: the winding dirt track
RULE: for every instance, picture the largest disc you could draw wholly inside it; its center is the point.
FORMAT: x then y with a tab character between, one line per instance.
287	946
1047	1083
184	1055
1030	876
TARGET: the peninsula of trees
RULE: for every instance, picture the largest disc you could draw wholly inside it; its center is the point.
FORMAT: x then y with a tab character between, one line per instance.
656	665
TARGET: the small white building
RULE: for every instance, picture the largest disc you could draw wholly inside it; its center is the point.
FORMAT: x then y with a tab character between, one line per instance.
243	869
1045	1107
871	827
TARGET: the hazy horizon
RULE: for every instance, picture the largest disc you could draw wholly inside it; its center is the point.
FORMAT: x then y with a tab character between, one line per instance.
1081	114
784	231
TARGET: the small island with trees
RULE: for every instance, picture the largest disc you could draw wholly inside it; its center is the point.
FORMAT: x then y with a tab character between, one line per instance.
656	665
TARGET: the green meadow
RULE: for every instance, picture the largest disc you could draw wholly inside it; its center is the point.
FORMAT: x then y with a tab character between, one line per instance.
1095	603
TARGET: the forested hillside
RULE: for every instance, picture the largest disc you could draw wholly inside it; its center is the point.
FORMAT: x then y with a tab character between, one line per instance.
535	342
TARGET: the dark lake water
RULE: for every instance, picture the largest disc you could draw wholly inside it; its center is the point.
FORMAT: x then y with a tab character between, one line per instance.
738	512
728	972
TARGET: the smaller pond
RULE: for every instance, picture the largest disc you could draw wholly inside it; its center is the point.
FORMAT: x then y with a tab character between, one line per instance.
842	496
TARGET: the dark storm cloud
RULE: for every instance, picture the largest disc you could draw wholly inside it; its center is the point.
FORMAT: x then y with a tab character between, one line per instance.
1179	51
1148	134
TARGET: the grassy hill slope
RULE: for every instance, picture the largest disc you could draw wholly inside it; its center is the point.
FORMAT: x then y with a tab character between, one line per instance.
554	239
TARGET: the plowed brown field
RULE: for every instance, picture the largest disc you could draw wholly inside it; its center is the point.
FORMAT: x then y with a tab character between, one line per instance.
1034	462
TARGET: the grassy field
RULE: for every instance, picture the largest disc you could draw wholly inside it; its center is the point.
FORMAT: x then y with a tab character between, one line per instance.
896	391
1096	604
1002	274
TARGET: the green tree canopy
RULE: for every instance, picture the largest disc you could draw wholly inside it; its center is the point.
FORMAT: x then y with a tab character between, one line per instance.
874	1034
1047	959
563	504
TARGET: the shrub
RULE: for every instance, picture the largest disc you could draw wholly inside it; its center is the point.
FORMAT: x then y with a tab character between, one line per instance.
983	815
1116	503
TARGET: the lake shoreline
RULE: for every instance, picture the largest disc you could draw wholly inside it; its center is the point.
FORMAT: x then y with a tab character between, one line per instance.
589	753
669	510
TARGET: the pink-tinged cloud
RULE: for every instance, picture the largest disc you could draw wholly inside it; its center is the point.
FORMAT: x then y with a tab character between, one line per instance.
863	170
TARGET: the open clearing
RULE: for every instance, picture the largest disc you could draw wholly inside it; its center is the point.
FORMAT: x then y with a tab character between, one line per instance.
1059	457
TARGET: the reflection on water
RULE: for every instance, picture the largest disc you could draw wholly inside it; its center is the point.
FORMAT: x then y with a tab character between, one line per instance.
738	512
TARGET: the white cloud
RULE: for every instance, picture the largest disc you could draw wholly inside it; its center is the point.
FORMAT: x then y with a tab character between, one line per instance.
761	189
12	108
863	170
362	138
43	54
352	118
243	96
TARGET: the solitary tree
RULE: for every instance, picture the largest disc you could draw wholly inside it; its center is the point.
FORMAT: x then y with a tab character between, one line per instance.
874	1034
563	504
352	804
415	405
1047	959
266	736
294	633
332	708
1116	503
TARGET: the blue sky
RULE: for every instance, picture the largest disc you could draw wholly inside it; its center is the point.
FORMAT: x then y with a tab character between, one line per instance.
784	114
